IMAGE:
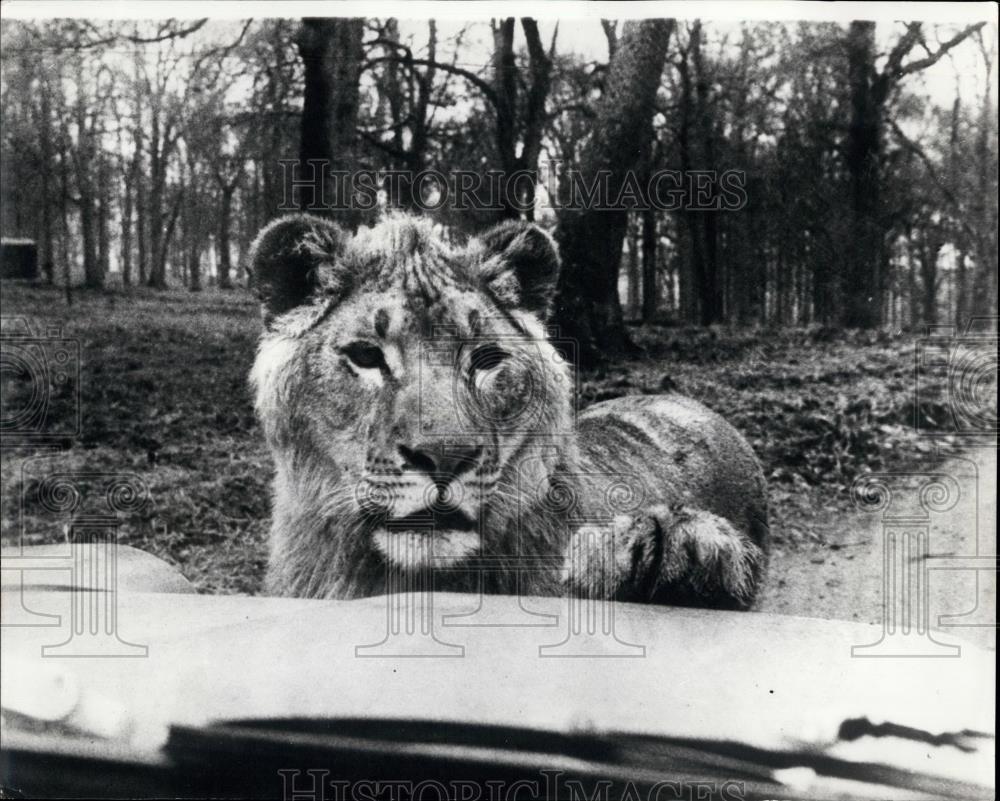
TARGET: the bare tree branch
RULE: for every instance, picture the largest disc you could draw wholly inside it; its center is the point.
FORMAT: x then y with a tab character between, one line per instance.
471	77
918	151
897	70
178	34
610	27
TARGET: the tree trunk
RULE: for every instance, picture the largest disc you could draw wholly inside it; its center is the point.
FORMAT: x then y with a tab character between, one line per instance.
686	276
518	120
930	248
225	223
159	242
672	276
331	51
48	238
92	277
127	202
194	268
711	289
157	245
67	255
862	288
141	231
961	287
650	290
633	270
103	219
587	304
505	80
533	127
983	302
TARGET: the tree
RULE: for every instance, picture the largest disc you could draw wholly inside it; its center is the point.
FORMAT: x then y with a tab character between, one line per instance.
863	202
514	123
408	91
698	152
650	285
86	162
590	239
865	276
514	94
271	59
333	56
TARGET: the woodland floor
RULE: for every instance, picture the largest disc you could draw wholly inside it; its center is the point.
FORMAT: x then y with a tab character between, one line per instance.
164	396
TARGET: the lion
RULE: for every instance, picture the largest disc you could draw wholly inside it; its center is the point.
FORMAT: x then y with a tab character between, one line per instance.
423	421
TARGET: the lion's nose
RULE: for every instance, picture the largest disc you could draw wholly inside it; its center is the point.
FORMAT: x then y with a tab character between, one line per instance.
443	462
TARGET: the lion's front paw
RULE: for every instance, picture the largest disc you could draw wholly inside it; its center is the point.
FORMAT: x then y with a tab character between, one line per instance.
706	561
667	555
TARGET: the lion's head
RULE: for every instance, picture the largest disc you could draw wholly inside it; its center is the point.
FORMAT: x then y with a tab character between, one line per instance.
401	380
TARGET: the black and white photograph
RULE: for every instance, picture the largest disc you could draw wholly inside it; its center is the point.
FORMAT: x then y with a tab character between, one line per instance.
498	401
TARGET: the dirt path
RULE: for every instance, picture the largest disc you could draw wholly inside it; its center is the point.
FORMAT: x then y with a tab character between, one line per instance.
840	575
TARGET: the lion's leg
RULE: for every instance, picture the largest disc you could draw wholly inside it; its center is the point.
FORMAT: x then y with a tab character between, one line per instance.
668	555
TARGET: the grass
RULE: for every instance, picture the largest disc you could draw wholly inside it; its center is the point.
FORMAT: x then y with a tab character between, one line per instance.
163	396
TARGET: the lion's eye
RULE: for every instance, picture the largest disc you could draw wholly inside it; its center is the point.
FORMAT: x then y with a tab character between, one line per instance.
486	357
364	355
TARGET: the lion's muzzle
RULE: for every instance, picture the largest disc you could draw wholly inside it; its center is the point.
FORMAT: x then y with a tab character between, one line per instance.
425	502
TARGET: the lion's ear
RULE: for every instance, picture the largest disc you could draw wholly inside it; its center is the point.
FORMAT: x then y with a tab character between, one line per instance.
294	258
520	266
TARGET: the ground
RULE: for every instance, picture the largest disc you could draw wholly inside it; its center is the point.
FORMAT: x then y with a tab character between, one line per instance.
163	396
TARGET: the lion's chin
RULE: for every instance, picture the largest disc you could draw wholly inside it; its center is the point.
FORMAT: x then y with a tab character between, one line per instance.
415	548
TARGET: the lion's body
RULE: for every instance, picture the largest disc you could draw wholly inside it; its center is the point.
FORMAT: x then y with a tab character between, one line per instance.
660	490
685	453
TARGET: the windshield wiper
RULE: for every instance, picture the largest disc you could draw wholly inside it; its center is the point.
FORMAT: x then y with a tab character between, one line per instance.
381	758
964	740
351	750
